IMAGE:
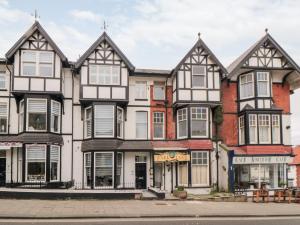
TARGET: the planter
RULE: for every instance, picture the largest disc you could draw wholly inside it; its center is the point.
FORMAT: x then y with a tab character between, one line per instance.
180	194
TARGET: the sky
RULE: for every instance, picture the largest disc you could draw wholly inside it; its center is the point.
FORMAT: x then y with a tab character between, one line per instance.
158	33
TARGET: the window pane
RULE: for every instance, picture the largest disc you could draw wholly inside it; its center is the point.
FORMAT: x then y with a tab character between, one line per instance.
37	121
2	81
36	171
104	120
45	70
182	173
141	90
264	128
3	117
158	124
198	81
246	86
88	122
103	169
159	92
199	168
120	122
182	122
29	56
46	57
29	69
141	125
199	121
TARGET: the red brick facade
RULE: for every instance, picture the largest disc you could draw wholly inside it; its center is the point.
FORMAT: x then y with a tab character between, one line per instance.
281	96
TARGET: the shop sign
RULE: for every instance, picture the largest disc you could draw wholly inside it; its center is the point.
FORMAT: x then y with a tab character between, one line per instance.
8	145
171	157
261	159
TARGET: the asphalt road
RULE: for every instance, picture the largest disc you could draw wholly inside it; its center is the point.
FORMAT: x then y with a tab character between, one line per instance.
164	221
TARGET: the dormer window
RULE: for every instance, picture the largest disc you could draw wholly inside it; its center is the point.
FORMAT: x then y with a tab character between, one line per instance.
104	74
198	76
35	63
246	86
263	87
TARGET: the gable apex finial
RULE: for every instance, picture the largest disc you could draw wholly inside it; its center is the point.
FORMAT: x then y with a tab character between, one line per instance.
199	34
105	26
266	30
35	15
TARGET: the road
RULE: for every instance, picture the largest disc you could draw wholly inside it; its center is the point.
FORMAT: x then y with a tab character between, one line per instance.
163	221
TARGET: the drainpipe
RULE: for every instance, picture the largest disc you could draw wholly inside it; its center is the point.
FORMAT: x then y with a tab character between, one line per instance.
217	160
166	107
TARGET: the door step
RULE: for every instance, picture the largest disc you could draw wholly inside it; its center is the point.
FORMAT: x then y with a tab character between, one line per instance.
147	195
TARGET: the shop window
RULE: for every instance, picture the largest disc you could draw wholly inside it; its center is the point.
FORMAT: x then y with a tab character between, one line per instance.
3	117
199	122
103	169
182	173
141	90
159	91
241	130
263	86
200	170
158	125
120	122
36	163
104	121
264	129
54	163
182	123
55	116
198	76
246	86
141	125
104	74
35	63
88	122
37	115
87	170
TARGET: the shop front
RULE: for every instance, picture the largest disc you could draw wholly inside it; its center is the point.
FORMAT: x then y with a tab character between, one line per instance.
250	172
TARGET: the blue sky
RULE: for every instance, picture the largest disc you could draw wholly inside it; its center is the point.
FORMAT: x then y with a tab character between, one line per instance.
158	33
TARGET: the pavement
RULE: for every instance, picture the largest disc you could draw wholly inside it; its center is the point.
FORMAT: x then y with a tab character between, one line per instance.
76	209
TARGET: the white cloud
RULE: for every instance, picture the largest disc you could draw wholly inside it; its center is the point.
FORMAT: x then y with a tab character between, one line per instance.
86	15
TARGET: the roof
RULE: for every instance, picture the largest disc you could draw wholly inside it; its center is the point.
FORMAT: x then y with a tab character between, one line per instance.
296	151
29	138
103	37
236	64
201	43
183	144
263	150
100	144
152	72
36	26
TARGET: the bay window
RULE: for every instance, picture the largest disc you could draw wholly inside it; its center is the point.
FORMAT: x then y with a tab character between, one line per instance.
264	129
263	88
104	169
104	74
35	63
241	130
276	129
54	163
141	125
199	122
253	129
159	91
158	125
55	116
3	118
37	114
88	122
141	90
120	122
246	86
198	76
182	123
87	170
36	162
200	169
104	121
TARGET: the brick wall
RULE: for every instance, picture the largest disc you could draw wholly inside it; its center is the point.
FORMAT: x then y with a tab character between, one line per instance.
281	96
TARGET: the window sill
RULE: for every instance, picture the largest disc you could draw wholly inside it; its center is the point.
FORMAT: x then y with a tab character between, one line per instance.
141	99
3	89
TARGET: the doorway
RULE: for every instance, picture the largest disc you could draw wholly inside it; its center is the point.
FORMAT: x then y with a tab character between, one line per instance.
2	171
140	172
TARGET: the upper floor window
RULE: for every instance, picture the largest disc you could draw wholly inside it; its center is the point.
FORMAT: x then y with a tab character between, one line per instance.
241	130
158	125
37	114
55	116
104	74
263	87
199	122
276	129
159	91
246	86
182	123
2	80
3	118
104	121
120	122
141	90
21	116
198	76
253	128
35	63
88	122
264	127
141	125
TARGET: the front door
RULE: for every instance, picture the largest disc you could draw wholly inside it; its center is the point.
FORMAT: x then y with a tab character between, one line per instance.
2	171
140	175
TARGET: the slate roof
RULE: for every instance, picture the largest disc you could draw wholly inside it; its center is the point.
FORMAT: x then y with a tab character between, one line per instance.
263	150
36	26
152	72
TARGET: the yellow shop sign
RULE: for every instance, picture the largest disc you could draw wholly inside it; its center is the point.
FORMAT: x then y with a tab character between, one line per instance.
171	157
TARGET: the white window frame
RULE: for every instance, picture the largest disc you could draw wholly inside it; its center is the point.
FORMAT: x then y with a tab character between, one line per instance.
146	123
86	120
186	121
187	173
122	168
140	90
5	116
37	63
262	125
162	124
200	118
276	125
253	124
26	164
113	171
58	163
21	115
85	167
242	130
2	80
53	114
27	115
267	81
100	79
199	74
159	85
113	122
197	164
121	122
242	85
